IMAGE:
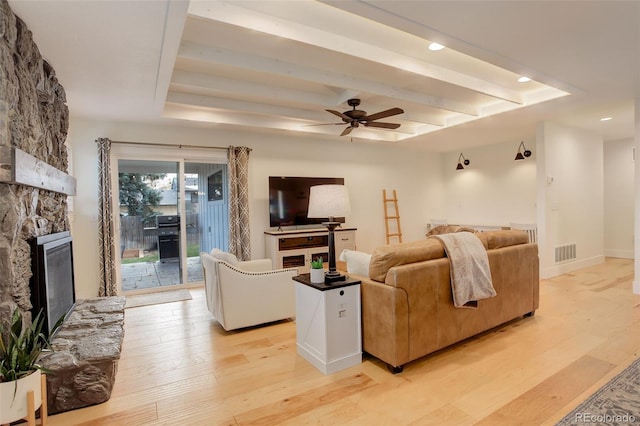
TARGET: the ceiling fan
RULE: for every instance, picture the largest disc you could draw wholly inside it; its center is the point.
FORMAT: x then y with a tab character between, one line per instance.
356	117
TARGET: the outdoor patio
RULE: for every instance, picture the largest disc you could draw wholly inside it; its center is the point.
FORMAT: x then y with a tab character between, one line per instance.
136	276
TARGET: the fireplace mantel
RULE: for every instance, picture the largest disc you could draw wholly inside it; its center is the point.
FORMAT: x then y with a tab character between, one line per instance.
18	167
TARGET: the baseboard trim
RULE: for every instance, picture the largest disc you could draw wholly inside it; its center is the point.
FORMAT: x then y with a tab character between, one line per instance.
565	268
621	254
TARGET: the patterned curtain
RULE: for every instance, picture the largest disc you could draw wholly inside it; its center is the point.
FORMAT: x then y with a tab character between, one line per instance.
239	236
106	228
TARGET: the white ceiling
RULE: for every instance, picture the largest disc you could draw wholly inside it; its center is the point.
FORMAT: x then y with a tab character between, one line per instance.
278	65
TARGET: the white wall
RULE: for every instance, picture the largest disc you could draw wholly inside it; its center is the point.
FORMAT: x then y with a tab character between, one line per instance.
367	169
618	198
570	196
494	189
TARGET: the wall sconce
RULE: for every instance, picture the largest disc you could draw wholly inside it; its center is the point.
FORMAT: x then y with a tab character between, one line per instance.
462	160
522	152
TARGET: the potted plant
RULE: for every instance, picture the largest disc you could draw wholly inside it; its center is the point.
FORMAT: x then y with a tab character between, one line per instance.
317	271
20	348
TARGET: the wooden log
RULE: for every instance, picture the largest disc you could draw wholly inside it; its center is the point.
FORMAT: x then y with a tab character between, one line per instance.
18	167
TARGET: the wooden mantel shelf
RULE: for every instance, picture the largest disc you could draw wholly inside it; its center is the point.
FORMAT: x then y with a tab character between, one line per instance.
18	167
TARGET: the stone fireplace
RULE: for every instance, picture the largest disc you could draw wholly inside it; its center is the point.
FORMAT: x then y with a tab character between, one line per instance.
34	186
33	120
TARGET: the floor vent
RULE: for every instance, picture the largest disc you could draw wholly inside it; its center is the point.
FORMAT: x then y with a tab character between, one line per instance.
565	252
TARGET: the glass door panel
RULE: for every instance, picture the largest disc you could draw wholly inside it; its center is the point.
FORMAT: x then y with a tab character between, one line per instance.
206	213
149	208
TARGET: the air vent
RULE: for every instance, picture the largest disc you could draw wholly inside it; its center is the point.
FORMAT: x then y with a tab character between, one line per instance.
565	253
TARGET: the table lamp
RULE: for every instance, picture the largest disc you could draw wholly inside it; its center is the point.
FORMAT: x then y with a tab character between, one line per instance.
329	201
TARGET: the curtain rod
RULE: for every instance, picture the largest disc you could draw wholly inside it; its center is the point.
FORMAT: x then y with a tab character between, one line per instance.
170	145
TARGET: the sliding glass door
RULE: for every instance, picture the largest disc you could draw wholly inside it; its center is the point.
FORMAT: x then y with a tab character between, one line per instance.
169	212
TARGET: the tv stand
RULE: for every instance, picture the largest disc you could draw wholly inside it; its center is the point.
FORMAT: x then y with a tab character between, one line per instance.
296	249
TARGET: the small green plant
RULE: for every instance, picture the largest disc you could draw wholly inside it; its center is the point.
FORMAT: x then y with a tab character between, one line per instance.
21	346
317	263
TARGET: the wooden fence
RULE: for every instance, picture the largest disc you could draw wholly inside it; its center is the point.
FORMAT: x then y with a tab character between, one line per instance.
133	235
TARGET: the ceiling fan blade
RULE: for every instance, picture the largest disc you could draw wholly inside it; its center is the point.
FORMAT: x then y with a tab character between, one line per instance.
339	114
384	114
346	131
383	125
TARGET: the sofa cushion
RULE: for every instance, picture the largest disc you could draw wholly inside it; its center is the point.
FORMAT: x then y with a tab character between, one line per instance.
385	257
357	262
503	238
230	258
448	229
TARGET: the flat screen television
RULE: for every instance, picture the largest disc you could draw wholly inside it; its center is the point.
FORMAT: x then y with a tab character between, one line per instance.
52	284
289	200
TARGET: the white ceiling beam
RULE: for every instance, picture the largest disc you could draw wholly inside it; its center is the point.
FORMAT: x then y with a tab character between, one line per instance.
213	84
344	96
246	107
206	54
331	40
203	114
305	118
174	25
420	119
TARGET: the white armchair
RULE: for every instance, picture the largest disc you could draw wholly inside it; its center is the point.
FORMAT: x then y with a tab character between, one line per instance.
242	294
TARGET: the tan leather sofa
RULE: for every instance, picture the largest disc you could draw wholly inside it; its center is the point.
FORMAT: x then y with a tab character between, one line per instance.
407	306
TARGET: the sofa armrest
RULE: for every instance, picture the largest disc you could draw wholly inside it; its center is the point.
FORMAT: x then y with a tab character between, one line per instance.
385	326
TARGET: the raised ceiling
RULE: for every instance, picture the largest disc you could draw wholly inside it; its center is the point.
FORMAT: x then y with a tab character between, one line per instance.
281	66
278	65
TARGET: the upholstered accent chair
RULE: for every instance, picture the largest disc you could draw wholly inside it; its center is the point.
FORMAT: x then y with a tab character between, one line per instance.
242	294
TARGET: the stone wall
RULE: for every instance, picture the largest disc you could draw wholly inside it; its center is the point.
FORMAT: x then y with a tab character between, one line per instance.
34	118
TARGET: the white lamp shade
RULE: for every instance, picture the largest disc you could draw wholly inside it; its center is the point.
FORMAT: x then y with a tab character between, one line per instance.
328	201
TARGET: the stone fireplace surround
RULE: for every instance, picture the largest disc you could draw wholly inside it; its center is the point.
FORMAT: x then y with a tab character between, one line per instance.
34	120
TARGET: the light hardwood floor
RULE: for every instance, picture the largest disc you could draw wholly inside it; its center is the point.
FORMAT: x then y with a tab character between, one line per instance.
179	367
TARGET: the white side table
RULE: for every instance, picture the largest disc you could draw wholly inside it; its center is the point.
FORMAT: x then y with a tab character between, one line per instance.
328	331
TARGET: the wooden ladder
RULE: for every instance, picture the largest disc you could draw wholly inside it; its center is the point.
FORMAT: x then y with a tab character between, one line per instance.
394	219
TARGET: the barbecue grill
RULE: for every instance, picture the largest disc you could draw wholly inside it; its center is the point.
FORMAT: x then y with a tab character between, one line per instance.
168	237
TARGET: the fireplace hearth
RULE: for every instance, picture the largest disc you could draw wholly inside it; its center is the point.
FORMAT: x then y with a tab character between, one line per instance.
87	348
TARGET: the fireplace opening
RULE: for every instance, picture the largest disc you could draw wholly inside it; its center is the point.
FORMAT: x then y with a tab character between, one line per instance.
52	284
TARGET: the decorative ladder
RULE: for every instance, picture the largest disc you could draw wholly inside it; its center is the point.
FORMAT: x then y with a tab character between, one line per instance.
389	221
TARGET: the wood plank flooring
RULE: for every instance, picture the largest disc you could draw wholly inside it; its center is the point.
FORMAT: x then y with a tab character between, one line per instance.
179	367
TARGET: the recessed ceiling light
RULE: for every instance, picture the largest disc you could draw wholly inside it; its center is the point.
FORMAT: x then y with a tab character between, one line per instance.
523	79
606	118
436	46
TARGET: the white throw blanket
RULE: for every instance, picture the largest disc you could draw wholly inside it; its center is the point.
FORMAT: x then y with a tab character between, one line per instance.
470	273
